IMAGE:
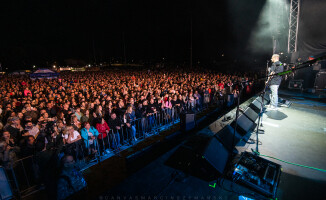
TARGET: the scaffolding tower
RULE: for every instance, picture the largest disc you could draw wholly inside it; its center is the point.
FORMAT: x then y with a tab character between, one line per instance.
293	26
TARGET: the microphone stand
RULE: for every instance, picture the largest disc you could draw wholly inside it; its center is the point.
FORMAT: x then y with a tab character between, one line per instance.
261	111
267	71
236	116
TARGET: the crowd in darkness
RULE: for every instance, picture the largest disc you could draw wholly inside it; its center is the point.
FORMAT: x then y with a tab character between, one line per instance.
91	107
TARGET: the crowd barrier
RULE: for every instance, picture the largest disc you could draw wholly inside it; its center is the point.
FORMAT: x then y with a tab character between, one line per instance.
23	176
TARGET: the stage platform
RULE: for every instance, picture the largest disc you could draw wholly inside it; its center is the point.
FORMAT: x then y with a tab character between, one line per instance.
296	134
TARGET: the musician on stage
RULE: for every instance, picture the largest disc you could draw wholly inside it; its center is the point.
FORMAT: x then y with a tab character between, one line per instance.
275	81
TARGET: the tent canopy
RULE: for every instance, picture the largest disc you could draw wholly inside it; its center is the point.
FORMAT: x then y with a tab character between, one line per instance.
44	73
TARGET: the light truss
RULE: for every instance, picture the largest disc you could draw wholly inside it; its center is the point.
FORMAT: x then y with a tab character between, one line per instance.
293	26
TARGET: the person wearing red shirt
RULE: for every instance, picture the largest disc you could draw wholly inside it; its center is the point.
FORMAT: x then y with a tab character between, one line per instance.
221	85
103	139
27	92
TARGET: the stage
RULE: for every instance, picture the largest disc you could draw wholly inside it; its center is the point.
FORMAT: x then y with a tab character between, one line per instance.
296	134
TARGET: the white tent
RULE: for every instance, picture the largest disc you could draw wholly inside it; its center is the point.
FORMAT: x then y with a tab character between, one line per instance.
44	73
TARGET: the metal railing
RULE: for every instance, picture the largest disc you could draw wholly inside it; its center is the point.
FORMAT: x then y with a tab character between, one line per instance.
23	176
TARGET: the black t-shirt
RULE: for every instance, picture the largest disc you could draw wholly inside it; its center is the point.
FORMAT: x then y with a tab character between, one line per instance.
27	150
181	102
143	111
173	102
113	123
15	133
119	112
151	107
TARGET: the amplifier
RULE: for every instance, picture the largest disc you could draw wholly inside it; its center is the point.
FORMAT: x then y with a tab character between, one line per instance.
257	173
295	84
320	81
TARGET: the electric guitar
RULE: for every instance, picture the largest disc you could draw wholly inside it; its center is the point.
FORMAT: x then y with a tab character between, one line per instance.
270	76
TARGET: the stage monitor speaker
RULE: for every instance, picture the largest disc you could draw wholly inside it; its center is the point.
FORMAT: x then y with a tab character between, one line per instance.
187	121
201	156
5	190
251	114
226	137
260	100
244	125
255	105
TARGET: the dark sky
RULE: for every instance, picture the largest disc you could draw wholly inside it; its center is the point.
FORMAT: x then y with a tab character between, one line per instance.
40	31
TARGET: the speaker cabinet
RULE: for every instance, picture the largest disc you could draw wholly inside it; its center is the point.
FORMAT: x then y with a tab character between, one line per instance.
187	121
320	81
201	156
251	114
265	100
255	106
244	125
226	137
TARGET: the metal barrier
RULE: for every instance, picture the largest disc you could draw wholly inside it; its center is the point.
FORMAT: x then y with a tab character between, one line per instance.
5	189
23	176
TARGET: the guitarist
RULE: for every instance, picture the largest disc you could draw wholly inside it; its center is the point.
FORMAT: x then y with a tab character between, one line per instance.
275	81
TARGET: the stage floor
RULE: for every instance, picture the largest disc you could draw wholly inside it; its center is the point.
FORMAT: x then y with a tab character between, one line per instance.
296	134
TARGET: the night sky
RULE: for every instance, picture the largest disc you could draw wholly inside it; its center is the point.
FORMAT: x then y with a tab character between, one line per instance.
42	32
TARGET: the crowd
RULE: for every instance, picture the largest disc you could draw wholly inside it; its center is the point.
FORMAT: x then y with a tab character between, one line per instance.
83	113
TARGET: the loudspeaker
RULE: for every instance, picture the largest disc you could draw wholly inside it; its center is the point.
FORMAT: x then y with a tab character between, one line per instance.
251	114
226	137
244	125
187	121
260	100
5	190
255	105
296	84
320	81
201	156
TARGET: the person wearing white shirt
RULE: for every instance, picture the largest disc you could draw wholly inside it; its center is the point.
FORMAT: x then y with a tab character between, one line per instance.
31	129
72	135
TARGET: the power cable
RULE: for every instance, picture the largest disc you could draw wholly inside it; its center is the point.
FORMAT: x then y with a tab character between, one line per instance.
314	168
